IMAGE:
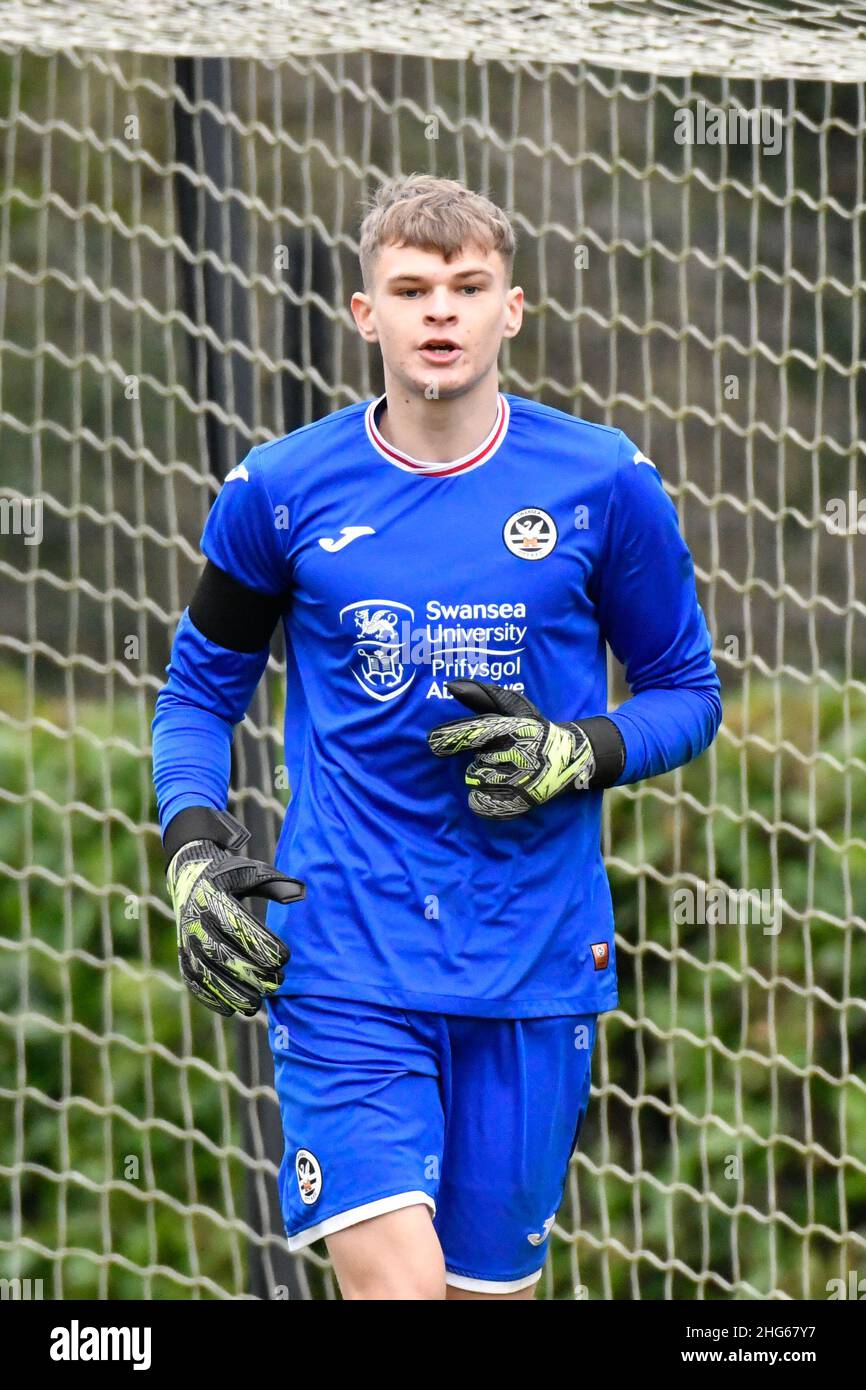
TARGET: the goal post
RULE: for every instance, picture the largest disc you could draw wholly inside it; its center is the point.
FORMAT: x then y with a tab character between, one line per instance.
182	190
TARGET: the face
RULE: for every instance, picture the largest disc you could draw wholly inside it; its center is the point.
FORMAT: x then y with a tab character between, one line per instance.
418	300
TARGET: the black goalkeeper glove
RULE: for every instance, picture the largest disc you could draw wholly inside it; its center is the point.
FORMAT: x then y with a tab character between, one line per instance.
228	960
522	759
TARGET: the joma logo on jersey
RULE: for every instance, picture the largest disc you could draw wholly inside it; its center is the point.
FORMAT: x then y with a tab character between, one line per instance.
530	534
539	1237
378	664
347	535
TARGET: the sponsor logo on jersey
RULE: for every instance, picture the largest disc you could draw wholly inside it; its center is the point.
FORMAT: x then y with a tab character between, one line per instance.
239	471
347	535
309	1174
538	1237
378	665
530	533
642	458
600	954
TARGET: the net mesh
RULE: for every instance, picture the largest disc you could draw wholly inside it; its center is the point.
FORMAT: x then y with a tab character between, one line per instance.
813	38
705	297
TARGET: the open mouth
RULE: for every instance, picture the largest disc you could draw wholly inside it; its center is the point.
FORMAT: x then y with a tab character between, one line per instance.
440	350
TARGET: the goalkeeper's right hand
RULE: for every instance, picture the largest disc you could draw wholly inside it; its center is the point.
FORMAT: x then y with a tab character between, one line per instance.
228	960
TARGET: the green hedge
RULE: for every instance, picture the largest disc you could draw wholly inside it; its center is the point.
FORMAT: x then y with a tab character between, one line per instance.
108	1027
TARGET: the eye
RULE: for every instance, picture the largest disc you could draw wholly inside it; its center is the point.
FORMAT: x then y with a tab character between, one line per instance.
473	290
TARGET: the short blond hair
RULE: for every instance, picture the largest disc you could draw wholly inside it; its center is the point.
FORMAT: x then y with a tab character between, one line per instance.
435	215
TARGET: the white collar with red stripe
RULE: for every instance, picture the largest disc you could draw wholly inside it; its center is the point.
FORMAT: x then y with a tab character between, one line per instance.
478	456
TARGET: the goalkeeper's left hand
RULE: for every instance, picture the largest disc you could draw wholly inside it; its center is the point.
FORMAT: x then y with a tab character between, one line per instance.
522	759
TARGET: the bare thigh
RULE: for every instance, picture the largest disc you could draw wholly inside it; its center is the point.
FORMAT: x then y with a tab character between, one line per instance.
396	1255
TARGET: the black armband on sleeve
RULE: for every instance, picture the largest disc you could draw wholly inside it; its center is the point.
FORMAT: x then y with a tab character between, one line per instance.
608	750
203	823
231	614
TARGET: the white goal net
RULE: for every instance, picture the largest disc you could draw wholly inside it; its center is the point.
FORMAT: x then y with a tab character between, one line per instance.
183	186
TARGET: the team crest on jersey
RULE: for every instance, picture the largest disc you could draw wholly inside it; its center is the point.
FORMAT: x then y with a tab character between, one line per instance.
309	1175
530	533
377	663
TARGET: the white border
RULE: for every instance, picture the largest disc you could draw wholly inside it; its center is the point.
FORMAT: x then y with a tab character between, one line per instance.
485	449
355	1214
461	1281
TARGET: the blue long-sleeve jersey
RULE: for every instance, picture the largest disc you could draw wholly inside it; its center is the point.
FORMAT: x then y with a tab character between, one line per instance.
515	564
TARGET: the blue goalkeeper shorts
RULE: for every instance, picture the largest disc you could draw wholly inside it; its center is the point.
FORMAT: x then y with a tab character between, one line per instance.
475	1117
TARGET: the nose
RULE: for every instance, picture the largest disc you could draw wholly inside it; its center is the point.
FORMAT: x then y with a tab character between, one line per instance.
440	304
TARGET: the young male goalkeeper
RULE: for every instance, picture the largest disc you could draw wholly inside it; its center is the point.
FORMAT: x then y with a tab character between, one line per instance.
448	562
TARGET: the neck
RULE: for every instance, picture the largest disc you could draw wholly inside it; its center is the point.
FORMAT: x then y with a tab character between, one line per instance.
439	430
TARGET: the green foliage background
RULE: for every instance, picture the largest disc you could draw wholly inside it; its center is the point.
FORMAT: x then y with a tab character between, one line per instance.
716	1024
